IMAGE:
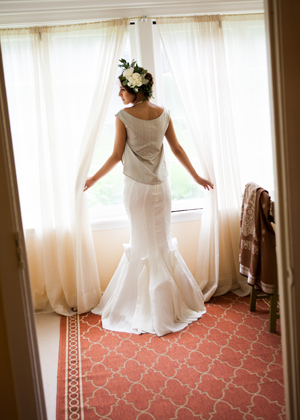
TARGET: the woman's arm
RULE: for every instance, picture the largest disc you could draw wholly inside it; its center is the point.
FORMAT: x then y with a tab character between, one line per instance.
179	152
115	157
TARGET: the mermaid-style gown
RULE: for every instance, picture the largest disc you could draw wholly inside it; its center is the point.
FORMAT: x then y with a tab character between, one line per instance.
152	290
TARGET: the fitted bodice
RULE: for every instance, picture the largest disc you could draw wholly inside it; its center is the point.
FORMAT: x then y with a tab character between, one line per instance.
143	157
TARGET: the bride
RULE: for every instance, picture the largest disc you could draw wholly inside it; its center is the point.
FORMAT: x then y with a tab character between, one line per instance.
152	290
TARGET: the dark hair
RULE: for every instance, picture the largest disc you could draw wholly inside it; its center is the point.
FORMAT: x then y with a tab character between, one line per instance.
144	89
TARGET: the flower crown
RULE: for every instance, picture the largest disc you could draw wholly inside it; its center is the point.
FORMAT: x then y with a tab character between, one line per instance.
134	77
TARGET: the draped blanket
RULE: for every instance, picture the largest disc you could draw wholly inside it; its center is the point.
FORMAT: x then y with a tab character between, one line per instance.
257	255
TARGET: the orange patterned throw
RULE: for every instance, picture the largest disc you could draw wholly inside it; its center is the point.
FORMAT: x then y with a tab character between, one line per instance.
224	366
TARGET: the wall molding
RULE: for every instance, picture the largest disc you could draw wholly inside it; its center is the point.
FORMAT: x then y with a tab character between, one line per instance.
36	12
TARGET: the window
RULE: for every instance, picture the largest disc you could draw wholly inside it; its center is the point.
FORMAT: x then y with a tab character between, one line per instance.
105	198
246	58
249	94
186	194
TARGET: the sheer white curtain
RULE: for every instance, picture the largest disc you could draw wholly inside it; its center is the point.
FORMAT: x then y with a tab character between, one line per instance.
246	61
59	84
196	53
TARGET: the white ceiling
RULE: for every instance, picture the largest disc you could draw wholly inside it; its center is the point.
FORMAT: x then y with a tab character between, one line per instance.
37	12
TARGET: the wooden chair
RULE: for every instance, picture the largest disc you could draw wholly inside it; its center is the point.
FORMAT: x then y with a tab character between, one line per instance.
273	305
256	294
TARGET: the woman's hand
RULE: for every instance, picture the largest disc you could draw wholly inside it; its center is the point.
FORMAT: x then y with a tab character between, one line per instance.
204	183
89	183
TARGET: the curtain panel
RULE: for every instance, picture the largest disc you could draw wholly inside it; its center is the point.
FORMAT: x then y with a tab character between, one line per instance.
65	80
247	68
196	52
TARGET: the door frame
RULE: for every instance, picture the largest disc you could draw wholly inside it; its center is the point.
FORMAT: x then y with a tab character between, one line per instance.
283	45
15	282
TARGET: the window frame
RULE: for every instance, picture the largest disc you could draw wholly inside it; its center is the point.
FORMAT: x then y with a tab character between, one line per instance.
177	216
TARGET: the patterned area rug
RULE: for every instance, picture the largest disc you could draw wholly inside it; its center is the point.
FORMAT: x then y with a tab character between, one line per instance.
224	366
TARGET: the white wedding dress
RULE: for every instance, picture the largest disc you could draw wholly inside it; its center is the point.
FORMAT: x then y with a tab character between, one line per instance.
152	290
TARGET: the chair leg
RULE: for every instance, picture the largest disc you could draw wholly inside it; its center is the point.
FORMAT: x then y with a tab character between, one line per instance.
273	311
253	300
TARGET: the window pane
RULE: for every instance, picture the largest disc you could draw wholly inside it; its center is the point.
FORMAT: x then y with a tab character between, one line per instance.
246	57
186	193
73	74
105	199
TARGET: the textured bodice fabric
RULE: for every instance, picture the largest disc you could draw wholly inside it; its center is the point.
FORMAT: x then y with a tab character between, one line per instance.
143	157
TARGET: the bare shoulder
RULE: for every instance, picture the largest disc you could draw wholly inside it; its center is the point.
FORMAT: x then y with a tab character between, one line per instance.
119	123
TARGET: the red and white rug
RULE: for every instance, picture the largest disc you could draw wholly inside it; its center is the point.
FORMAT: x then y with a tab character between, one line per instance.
224	366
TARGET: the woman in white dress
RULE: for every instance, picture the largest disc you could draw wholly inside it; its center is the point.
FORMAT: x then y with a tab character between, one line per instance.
152	290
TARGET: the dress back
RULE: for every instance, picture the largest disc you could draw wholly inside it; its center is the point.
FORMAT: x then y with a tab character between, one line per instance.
143	157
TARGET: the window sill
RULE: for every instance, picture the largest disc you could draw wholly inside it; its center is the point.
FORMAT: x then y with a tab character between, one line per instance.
117	223
122	223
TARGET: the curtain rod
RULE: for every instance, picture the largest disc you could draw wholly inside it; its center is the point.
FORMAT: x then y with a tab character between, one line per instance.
66	24
186	16
145	18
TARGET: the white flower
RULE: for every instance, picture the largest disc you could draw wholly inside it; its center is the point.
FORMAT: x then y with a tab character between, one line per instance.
136	79
131	82
128	72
